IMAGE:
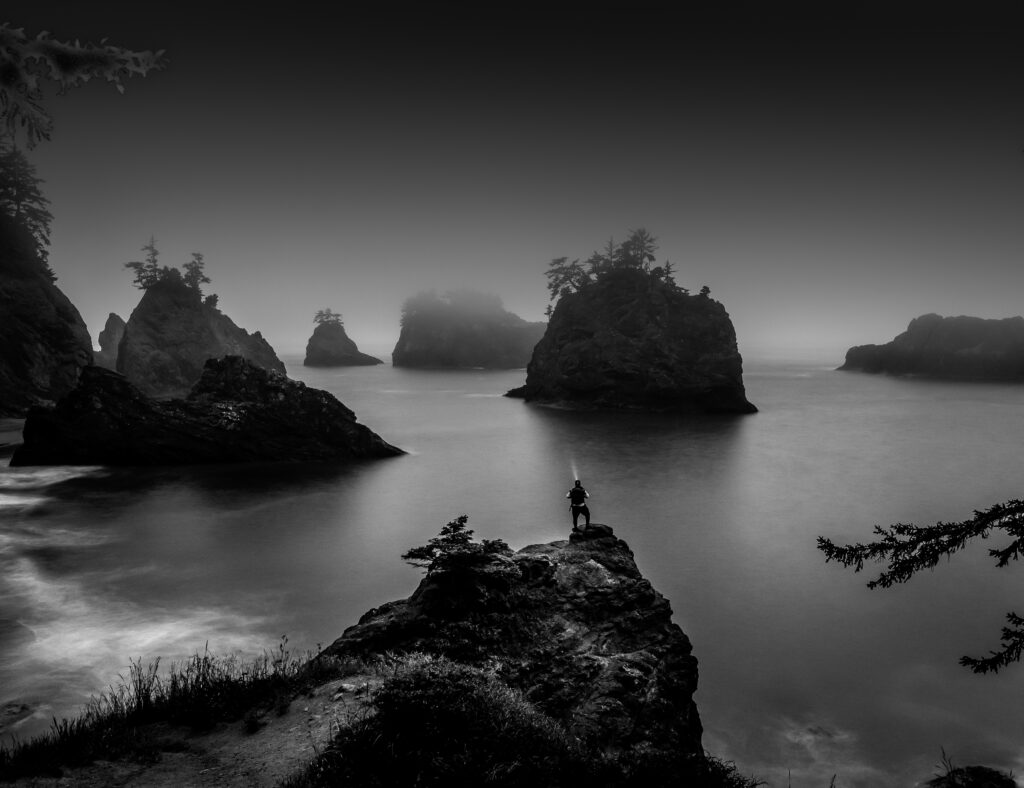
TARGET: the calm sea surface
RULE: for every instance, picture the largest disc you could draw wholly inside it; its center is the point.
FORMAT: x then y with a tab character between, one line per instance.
804	672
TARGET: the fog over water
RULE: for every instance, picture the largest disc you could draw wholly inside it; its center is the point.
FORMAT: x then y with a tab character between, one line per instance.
827	178
802	668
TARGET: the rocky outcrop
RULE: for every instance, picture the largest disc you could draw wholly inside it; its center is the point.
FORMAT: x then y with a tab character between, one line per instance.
953	348
171	334
109	339
631	340
463	330
43	340
572	624
236	412
330	346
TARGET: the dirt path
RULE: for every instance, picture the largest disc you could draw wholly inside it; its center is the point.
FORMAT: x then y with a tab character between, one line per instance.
228	755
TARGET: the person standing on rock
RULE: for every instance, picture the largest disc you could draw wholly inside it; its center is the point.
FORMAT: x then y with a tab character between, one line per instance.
578	504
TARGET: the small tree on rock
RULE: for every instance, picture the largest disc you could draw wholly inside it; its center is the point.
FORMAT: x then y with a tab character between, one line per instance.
194	275
453	548
327	317
147	271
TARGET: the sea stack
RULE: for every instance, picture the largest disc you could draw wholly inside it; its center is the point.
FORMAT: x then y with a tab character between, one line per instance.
463	330
109	339
171	334
630	338
949	348
330	346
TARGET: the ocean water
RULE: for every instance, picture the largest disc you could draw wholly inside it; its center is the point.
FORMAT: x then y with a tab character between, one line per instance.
804	672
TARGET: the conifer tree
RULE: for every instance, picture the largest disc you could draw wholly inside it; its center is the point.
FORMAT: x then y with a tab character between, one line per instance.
22	199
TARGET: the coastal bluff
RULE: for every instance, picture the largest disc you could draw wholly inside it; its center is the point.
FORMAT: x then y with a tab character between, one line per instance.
948	348
236	412
573	625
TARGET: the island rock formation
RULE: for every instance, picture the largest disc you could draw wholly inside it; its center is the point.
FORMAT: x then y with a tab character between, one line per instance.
109	339
44	342
572	624
631	340
953	348
236	412
330	346
171	334
463	330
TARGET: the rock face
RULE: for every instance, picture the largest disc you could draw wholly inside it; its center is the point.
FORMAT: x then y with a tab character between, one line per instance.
632	341
236	412
572	624
464	330
109	339
171	334
330	346
43	341
955	348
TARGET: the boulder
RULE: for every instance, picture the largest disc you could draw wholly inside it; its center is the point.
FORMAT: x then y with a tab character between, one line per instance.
171	334
109	339
236	412
631	340
44	343
572	624
951	348
330	346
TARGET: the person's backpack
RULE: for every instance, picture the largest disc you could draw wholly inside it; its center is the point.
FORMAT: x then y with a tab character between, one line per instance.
577	496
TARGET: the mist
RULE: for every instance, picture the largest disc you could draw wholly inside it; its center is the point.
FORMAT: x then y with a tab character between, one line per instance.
827	184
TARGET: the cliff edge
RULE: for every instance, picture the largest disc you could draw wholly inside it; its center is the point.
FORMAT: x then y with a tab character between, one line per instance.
952	348
572	625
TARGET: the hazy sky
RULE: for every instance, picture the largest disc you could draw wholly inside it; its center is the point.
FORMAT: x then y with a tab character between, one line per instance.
829	180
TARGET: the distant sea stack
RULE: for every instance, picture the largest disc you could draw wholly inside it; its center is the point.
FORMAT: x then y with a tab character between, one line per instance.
575	627
109	339
44	342
950	348
630	338
330	346
463	329
236	412
171	334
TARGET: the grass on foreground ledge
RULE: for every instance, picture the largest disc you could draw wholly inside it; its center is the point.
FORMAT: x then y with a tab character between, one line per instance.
198	693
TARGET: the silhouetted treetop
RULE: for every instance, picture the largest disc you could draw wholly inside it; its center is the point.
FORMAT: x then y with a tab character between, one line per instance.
27	64
636	252
149	272
328	316
22	199
910	549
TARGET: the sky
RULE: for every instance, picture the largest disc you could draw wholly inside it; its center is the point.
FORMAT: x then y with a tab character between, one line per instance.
828	178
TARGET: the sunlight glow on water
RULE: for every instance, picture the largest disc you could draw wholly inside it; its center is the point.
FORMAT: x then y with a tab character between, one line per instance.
803	671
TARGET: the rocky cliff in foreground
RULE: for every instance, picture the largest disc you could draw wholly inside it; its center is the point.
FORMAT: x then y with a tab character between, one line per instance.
631	340
573	625
330	346
236	412
171	334
43	340
463	330
954	348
